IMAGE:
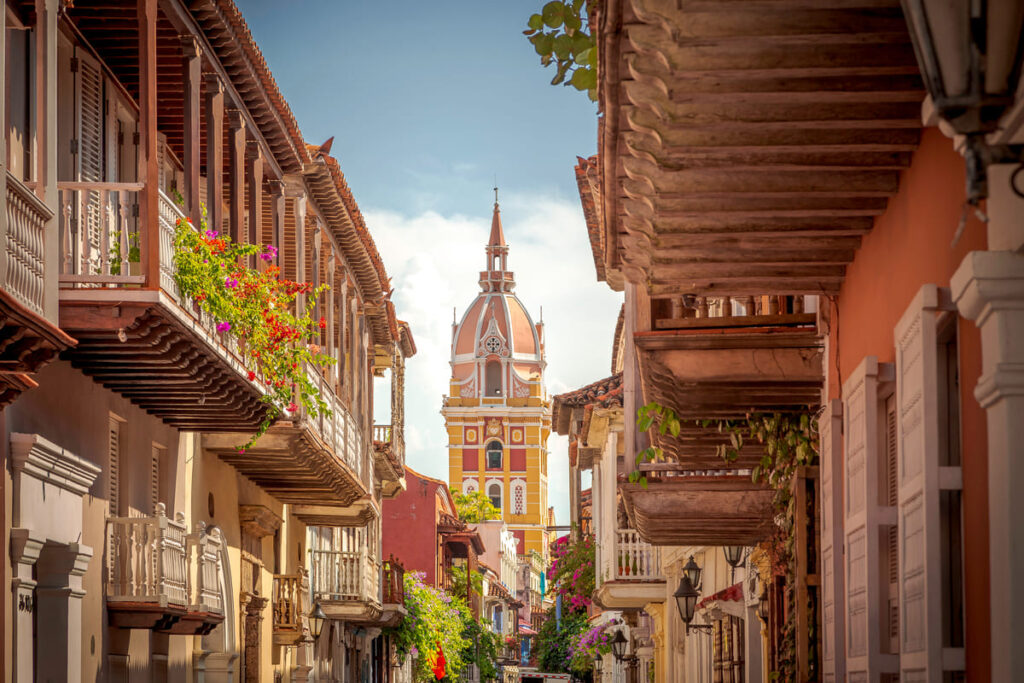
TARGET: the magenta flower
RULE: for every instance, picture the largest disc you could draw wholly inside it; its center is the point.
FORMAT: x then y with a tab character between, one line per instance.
223	327
270	254
230	282
211	233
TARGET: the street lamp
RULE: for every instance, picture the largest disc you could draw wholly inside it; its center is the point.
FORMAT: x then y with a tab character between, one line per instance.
686	602
734	555
970	58
692	570
316	620
762	606
619	646
598	663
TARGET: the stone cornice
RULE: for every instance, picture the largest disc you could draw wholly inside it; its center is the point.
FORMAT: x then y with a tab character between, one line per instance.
41	459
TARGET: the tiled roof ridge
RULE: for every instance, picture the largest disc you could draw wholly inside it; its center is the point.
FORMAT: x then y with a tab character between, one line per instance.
595	392
596	236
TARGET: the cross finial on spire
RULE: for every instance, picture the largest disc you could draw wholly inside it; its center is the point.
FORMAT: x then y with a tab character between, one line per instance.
495	193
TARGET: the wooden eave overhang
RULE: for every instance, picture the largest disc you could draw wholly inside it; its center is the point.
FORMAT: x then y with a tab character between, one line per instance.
728	372
292	464
27	343
344	220
700	509
747	146
168	364
163	618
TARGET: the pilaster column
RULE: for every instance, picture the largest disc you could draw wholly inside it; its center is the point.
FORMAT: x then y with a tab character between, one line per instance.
25	549
254	173
277	204
989	289
59	592
148	155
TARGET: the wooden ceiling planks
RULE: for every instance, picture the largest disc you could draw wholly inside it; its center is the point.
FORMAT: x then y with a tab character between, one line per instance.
753	119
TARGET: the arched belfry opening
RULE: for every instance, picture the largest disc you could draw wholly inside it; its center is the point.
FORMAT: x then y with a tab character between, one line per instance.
492	378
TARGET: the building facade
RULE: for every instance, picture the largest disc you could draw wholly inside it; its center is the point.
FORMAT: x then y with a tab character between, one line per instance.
497	413
142	540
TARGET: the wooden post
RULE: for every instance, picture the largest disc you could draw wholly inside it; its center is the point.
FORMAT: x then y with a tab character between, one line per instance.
277	192
254	173
214	152
317	247
300	250
236	175
149	171
329	331
191	76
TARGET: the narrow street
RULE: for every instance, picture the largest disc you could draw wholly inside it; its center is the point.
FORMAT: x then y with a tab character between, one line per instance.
595	341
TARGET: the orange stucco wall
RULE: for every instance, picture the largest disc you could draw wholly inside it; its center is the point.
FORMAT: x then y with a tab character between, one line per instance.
909	247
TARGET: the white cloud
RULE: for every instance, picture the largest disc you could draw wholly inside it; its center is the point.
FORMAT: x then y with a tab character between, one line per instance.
434	262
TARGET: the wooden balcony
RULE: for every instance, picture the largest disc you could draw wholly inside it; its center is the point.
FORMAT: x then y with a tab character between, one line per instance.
347	583
28	340
685	507
631	573
138	336
290	608
320	461
389	459
392	592
160	577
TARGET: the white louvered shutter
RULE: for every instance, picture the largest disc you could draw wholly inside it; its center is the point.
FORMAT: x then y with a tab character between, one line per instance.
864	519
830	433
918	489
89	149
156	455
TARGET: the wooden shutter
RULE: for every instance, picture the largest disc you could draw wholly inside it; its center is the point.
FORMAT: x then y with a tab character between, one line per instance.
830	432
156	456
88	146
864	523
918	489
114	466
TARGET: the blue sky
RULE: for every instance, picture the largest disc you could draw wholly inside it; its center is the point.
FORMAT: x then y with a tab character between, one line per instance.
428	101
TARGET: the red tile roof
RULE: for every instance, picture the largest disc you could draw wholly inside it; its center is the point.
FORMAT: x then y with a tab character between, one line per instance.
733	592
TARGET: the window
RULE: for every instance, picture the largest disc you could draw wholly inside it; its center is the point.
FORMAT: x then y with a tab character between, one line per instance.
494	493
492	378
494	451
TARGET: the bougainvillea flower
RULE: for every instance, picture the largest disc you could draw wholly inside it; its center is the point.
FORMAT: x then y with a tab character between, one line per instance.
251	375
292	407
230	282
211	233
323	322
224	327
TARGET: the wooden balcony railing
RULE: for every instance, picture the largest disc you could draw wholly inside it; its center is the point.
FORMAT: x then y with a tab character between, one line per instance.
98	230
24	241
393	583
382	433
289	604
156	566
339	430
635	559
737	310
344	576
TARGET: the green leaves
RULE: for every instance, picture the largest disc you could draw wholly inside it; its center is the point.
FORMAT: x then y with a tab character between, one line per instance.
559	35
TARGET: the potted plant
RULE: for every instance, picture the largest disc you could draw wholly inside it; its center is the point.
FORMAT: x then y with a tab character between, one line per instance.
134	254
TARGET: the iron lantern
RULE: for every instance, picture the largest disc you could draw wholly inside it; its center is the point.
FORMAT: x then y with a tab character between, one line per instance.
619	643
734	555
762	606
692	570
970	56
598	663
686	602
316	620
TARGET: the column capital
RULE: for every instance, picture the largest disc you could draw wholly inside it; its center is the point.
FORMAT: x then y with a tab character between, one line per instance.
236	119
988	281
190	48
276	187
25	547
213	84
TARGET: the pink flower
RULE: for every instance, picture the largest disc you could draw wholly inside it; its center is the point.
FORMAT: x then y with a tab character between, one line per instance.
224	327
211	233
230	282
292	407
270	254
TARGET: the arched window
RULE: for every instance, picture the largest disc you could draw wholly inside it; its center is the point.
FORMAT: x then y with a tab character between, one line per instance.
494	493
492	378
494	450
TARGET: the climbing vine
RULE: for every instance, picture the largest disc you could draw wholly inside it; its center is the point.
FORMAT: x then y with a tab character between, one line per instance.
560	35
787	441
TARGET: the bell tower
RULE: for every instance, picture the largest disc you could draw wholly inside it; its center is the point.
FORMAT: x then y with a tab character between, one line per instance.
497	411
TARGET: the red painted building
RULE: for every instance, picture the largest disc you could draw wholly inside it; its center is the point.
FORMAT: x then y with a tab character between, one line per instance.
410	524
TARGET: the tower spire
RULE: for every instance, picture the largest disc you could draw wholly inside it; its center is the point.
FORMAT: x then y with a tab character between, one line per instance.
497	240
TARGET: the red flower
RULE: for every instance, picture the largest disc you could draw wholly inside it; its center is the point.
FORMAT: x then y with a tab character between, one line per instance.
323	322
251	375
292	407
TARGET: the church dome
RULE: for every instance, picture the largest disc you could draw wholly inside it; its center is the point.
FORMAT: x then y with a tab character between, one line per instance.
496	332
